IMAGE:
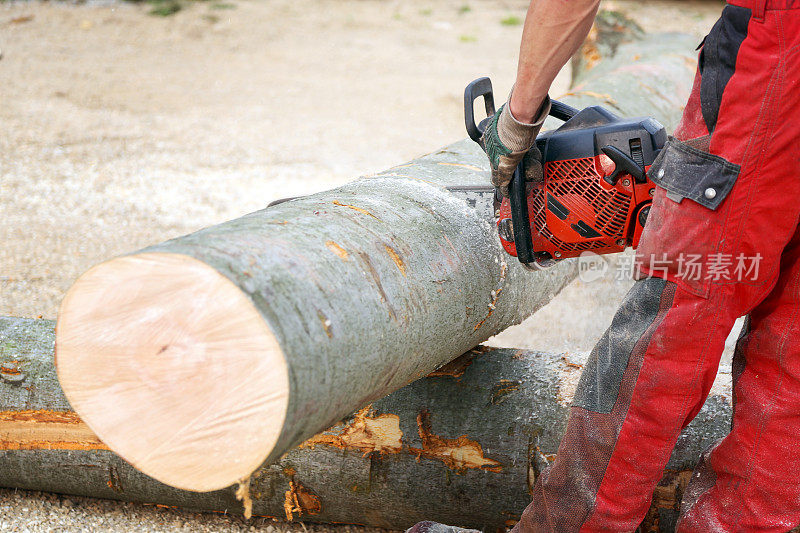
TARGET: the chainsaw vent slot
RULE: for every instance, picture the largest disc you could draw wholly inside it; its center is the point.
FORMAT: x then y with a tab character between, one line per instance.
574	183
584	230
557	208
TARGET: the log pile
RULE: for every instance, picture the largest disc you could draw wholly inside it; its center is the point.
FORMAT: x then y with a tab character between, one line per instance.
224	355
462	445
231	345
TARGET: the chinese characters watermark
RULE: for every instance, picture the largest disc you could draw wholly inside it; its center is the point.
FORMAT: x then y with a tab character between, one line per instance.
718	267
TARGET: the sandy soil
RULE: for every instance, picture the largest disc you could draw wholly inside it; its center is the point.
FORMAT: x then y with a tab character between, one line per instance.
122	129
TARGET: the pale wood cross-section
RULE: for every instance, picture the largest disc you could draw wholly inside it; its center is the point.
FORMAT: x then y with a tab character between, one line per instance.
172	388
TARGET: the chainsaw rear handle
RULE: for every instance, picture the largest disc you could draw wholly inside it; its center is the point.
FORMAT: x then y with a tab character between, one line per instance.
483	87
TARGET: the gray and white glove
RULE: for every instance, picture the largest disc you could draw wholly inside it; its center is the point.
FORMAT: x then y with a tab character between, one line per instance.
507	141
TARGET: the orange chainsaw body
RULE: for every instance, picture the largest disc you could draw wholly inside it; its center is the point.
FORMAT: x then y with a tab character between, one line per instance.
594	194
573	195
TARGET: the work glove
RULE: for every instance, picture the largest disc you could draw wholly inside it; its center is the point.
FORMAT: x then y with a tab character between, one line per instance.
507	141
435	527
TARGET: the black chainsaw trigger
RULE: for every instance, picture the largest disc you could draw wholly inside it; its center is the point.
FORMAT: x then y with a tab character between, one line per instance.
622	163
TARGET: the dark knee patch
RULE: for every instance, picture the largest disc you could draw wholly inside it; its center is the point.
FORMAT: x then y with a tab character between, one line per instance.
599	385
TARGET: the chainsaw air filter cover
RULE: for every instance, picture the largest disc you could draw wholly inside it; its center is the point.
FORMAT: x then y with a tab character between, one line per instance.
595	193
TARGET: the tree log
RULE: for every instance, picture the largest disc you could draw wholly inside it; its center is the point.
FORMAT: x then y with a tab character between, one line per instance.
201	358
638	80
461	446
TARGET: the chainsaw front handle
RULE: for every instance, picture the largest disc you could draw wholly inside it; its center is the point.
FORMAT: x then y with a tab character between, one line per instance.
476	89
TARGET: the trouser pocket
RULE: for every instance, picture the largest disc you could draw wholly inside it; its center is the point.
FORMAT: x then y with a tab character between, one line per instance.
682	237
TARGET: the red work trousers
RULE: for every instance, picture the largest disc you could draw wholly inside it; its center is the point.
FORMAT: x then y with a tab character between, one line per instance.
722	241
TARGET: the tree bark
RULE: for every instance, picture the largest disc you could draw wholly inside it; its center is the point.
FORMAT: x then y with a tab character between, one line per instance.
203	357
638	80
461	446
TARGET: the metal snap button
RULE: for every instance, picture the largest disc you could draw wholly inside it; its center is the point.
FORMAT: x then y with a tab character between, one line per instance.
661	173
710	193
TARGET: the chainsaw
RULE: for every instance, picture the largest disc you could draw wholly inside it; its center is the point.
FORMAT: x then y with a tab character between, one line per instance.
595	194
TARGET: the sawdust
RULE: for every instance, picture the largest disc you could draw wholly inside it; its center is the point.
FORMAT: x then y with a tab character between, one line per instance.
495	294
569	375
299	500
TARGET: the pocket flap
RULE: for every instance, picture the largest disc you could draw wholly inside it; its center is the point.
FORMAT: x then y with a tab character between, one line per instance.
686	172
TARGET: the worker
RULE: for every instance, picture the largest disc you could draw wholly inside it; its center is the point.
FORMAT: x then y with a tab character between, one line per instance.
728	202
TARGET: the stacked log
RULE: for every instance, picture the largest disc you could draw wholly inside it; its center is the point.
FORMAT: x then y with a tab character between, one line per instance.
222	355
462	445
199	359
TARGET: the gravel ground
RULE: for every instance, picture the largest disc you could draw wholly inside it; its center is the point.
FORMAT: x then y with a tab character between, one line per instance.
25	511
121	129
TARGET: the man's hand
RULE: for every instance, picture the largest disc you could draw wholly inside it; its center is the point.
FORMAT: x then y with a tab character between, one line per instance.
553	32
507	141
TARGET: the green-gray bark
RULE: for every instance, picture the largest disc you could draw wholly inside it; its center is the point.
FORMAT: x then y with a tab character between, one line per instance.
425	280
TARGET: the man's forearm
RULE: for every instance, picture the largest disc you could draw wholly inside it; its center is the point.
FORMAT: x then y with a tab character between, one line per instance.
553	32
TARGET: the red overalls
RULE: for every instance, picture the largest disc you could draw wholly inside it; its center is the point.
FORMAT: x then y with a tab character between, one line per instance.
721	241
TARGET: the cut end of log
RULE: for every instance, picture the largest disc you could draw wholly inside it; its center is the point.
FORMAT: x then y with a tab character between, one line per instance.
170	364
